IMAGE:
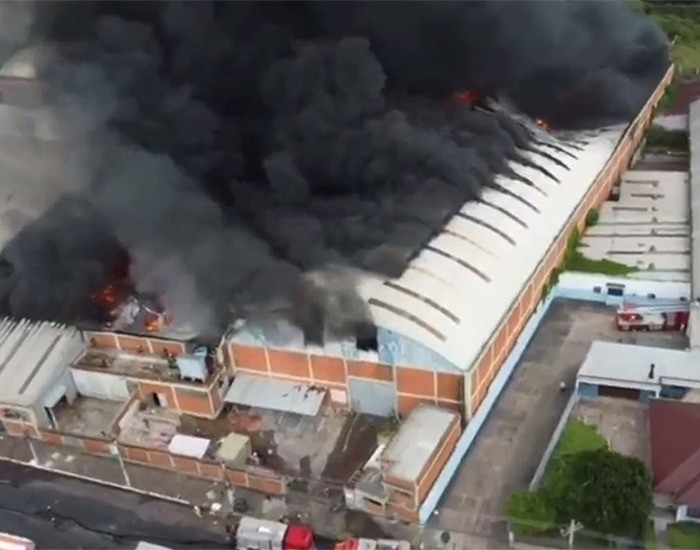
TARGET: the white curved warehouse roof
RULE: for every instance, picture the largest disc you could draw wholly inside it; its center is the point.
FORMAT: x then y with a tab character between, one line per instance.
32	355
26	63
455	292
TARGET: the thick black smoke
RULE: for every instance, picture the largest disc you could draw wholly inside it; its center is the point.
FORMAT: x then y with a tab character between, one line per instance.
233	147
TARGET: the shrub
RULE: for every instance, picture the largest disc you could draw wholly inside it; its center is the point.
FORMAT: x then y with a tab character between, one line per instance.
529	513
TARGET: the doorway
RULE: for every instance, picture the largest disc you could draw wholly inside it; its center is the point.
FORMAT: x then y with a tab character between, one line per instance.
158	400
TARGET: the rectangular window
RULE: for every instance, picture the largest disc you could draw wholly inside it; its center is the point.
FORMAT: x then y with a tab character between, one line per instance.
616	290
597	289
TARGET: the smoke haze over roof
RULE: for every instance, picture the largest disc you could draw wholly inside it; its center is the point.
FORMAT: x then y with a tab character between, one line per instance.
232	147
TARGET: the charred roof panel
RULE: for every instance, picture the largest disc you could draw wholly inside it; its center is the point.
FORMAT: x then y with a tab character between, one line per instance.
495	245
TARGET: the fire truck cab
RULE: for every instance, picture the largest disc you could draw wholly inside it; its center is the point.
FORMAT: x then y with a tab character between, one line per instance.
653	318
260	534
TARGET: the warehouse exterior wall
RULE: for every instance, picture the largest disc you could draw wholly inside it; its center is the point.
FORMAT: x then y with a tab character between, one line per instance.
413	385
485	370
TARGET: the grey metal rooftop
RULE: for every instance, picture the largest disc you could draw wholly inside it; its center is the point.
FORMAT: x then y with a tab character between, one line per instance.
417	440
632	364
32	356
648	228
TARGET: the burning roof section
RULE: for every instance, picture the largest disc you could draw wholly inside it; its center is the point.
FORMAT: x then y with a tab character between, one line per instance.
454	293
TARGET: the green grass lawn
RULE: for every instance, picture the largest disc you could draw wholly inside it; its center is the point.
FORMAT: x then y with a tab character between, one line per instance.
578	262
578	436
684	535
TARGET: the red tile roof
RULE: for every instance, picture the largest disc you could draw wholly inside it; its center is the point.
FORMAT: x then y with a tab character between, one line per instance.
675	450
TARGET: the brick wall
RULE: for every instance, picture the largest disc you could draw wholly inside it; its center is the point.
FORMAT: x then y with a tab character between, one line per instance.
134	343
502	342
413	386
406	496
257	479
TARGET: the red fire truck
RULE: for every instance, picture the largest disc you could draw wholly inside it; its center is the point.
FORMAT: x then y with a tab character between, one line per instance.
261	534
669	316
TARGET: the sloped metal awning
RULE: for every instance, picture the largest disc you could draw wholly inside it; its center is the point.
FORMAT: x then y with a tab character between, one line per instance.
278	395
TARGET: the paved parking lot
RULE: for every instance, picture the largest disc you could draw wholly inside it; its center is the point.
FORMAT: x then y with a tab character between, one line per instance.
508	449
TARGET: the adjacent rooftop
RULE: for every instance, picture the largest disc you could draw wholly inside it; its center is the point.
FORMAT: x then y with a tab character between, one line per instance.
327	445
418	438
143	365
633	364
88	416
647	228
32	357
675	449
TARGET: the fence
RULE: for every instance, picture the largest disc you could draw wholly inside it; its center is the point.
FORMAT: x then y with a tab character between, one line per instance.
542	466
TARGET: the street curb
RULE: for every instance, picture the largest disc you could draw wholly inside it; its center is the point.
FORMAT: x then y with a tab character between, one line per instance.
98	481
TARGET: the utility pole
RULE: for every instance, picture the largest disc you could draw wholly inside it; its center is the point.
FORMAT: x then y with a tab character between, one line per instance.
116	451
571	531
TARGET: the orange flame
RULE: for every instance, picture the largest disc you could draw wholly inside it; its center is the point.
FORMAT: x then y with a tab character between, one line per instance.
153	323
542	123
469	96
108	297
156	321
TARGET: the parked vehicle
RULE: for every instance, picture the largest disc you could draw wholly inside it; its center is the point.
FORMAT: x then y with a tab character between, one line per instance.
672	317
8	541
373	544
261	534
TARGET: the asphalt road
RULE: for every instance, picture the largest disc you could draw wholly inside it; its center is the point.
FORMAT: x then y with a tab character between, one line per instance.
60	512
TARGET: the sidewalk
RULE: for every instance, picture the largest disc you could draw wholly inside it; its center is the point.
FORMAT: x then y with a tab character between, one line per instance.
162	484
192	491
172	486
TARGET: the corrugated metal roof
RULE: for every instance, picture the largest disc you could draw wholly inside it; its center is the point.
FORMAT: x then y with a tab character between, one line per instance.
275	394
632	364
454	294
32	356
694	136
416	441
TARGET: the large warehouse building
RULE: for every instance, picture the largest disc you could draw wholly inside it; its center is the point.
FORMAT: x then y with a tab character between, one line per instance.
445	330
445	327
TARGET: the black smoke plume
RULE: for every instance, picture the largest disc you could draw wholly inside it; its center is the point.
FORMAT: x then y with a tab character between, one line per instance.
233	147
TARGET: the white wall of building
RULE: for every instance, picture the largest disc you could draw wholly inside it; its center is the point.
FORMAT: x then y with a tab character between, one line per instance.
100	385
585	283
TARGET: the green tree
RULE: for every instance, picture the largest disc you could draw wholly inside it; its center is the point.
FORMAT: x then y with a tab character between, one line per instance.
604	490
529	513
